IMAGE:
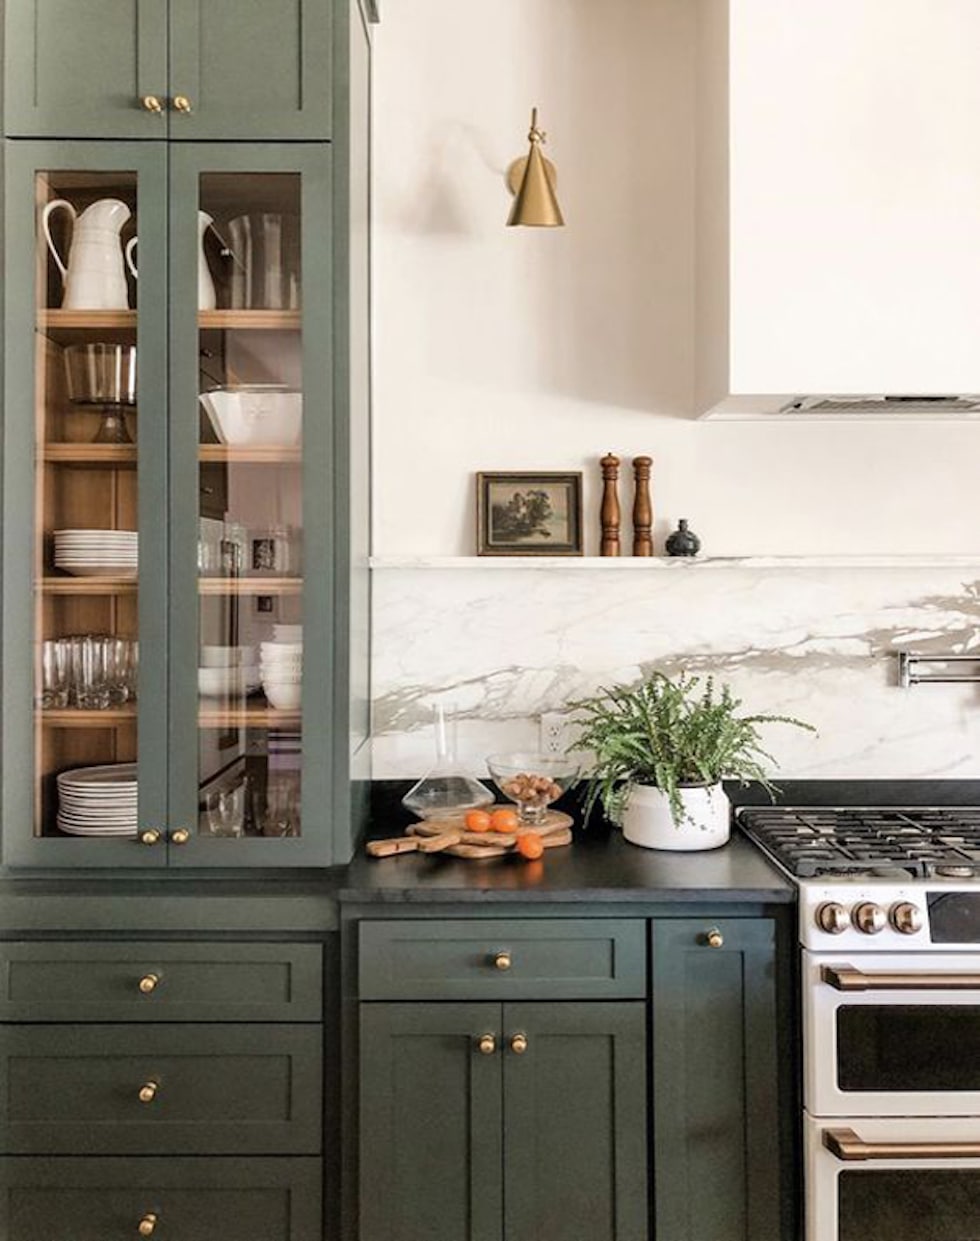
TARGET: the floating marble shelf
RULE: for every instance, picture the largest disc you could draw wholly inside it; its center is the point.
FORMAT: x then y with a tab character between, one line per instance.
673	563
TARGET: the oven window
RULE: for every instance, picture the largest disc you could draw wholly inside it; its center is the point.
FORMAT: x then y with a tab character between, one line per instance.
918	1047
926	1206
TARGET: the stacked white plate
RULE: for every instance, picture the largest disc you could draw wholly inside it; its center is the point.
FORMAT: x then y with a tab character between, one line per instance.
88	553
98	801
281	666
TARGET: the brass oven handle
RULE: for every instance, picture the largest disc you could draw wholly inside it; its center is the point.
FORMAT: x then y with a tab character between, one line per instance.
846	1145
847	978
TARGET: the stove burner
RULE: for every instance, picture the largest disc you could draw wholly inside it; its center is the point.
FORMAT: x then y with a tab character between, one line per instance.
917	842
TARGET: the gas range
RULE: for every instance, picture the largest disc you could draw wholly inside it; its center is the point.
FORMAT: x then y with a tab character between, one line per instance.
877	879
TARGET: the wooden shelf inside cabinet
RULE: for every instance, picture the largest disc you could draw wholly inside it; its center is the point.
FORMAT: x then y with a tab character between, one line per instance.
75	717
253	454
261	716
92	320
88	585
105	456
250	585
249	320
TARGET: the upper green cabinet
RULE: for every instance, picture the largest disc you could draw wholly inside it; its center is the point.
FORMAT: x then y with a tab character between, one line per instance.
177	69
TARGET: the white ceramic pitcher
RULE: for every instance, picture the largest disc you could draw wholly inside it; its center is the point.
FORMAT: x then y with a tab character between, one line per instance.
206	297
94	278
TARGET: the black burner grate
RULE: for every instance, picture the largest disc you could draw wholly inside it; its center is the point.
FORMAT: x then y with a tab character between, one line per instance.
822	840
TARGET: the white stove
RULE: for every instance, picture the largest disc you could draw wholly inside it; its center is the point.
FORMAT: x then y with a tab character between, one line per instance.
889	922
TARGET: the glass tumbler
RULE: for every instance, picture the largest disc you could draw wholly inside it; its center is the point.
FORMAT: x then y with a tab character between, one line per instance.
55	673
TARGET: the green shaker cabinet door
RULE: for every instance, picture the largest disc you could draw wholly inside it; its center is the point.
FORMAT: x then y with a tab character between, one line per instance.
81	68
430	1123
250	69
715	1081
576	1120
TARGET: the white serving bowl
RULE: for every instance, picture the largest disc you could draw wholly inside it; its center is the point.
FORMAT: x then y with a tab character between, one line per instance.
226	682
227	656
280	649
282	665
257	414
284	697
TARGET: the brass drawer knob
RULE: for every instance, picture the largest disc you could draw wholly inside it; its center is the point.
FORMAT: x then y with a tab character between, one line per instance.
148	1091
182	104
150	836
148	983
147	1224
518	1044
714	938
503	961
151	103
180	836
487	1044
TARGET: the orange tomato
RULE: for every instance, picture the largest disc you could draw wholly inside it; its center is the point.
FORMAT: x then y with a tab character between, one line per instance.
529	845
477	821
504	819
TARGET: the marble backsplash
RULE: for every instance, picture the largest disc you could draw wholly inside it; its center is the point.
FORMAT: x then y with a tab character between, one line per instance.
503	642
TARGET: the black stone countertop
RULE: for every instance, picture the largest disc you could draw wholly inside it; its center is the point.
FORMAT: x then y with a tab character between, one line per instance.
594	868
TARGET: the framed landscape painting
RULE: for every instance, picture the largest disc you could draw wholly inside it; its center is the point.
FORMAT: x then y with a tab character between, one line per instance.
525	514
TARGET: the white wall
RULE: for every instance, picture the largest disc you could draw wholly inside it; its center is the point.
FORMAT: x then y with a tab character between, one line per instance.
502	348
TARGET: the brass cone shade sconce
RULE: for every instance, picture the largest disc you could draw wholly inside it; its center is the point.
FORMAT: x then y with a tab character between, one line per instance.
532	182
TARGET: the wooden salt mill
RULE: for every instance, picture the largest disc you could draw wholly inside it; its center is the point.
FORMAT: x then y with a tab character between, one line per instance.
642	507
609	512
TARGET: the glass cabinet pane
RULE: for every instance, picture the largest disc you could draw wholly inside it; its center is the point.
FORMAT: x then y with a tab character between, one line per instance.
85	541
931	1205
897	1047
250	424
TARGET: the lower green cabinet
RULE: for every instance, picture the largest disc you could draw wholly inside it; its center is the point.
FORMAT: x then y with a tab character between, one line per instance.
178	1199
717	1109
503	1122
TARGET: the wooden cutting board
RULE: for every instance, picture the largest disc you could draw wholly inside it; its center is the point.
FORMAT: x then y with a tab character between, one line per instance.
449	835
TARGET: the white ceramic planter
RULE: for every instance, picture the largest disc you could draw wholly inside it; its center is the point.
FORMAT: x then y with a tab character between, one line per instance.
647	820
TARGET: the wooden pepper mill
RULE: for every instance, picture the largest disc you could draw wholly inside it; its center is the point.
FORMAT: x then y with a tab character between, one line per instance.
642	507
609	512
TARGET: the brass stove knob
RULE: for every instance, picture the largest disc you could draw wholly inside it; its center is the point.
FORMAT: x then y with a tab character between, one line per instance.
906	918
869	918
833	918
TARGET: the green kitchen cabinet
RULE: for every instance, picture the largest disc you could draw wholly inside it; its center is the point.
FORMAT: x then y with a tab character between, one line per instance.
225	776
520	1121
189	70
722	1039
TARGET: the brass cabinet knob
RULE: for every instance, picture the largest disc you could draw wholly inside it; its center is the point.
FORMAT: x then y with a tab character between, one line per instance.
182	104
518	1044
503	961
180	836
147	1224
714	938
148	1091
152	103
148	983
150	836
487	1044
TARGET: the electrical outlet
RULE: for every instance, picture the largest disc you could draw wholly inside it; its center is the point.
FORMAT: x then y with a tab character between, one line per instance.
553	729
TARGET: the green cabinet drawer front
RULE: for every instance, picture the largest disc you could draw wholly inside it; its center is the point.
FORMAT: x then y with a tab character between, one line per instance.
251	69
716	1110
575	1107
190	982
75	1090
192	1199
558	959
78	68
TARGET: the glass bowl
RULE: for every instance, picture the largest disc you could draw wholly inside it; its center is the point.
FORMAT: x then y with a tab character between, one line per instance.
532	781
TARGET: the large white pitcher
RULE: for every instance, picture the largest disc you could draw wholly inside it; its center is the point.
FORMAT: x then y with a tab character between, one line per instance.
94	278
206	296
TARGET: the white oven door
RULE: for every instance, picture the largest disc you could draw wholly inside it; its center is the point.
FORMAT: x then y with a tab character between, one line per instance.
888	1180
892	1034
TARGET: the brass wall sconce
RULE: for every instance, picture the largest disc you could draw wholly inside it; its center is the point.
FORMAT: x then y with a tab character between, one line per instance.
532	181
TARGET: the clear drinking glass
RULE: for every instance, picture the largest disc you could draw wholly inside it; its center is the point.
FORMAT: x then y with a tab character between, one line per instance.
55	673
225	810
93	685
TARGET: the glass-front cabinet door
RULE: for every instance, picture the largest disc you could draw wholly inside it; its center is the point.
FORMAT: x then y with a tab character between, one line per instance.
252	503
169	506
85	535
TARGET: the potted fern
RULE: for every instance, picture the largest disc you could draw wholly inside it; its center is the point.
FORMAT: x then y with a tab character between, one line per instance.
661	750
